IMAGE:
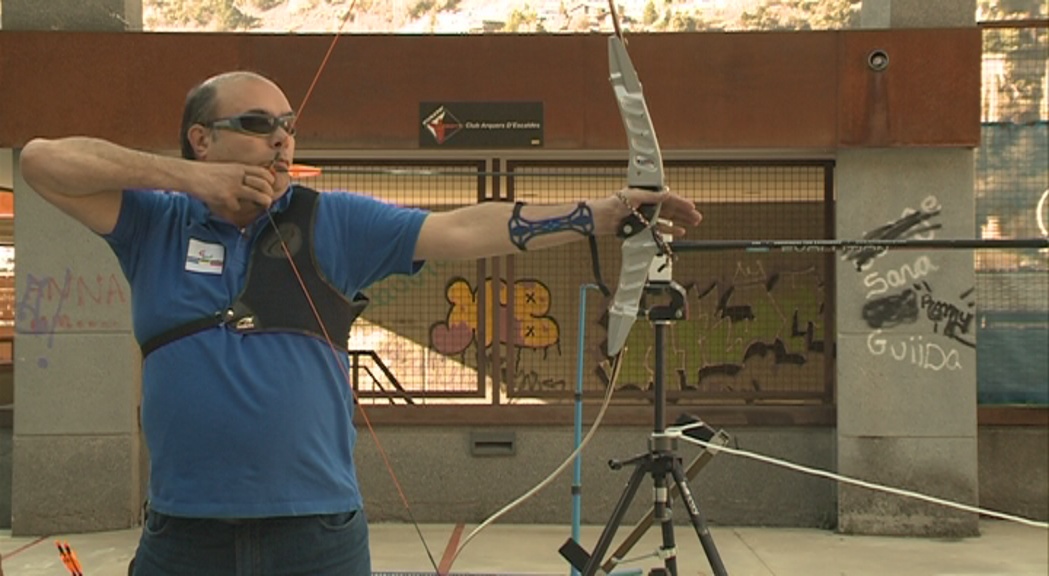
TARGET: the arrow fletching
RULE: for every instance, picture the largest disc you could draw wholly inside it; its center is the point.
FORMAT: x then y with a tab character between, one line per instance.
301	171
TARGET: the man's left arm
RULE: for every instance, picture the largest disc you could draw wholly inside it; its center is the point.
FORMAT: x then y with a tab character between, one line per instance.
500	228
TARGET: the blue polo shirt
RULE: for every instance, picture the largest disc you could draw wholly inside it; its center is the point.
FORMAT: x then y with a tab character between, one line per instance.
255	425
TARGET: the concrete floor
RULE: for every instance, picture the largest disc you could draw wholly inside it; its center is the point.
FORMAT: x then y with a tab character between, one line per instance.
1001	549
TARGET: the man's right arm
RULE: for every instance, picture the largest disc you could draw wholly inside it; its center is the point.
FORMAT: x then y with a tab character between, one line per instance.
85	178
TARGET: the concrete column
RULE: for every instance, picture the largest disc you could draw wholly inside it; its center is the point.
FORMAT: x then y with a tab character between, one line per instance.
77	449
77	454
918	13
906	334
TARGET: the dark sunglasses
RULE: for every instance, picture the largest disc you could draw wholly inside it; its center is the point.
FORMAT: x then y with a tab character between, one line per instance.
257	124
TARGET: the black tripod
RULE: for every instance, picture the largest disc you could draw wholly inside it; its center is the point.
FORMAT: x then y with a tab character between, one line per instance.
660	462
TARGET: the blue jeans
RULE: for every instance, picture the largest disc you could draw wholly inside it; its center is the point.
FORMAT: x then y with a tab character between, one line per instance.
326	545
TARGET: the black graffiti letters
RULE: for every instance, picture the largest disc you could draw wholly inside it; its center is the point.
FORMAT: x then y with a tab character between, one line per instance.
955	322
911	224
892	310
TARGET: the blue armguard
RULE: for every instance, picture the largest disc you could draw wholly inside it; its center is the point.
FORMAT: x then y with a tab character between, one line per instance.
522	231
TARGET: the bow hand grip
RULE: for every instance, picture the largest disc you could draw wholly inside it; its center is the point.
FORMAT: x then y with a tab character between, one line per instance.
632	224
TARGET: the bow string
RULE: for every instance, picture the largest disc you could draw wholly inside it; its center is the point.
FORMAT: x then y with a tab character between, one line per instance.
299	172
641	245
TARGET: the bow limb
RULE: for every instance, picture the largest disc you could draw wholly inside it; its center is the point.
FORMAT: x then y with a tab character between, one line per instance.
645	170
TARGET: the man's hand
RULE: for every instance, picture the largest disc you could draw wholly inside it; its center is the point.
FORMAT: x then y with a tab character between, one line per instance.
675	214
234	190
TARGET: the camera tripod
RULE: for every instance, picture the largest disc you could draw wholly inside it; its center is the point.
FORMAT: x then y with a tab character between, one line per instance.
661	463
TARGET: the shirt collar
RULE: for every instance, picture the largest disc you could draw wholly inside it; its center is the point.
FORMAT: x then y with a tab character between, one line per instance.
203	213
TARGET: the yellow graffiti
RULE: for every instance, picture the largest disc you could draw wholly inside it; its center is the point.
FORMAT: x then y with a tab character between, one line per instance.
532	327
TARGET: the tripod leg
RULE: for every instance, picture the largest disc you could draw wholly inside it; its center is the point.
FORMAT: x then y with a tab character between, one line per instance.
640	470
698	522
645	523
629	542
661	511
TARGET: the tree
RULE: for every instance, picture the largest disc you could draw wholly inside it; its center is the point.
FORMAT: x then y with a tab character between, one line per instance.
266	4
650	15
683	22
522	20
1021	52
803	15
213	14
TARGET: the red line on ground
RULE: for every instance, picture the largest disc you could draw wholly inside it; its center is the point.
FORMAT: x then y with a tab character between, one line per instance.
26	547
449	550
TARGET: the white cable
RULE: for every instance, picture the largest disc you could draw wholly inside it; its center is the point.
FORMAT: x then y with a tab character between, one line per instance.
553	475
678	432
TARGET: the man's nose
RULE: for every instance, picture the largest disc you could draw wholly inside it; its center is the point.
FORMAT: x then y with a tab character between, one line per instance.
280	138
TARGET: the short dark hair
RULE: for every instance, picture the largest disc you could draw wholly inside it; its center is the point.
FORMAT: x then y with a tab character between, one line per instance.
200	106
201	103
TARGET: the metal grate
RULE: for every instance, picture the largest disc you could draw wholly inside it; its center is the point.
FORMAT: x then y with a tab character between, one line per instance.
757	322
407	346
506	330
760	320
1012	201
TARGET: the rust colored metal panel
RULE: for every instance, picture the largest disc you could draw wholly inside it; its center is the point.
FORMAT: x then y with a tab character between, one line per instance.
125	86
928	95
738	90
721	91
369	93
1037	416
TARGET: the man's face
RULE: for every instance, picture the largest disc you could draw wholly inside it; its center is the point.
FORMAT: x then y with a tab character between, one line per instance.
253	118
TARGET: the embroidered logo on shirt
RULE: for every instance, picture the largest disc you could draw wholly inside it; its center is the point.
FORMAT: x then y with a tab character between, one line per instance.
204	257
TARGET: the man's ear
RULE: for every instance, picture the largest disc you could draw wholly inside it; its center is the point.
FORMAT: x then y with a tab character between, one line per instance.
199	139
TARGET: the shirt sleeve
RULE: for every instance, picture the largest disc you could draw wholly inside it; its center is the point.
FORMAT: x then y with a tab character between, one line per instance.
133	224
361	240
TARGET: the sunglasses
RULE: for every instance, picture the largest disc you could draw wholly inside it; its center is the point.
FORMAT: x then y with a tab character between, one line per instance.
256	123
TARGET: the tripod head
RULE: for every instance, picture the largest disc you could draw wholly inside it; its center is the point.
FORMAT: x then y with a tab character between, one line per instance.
660	282
674	308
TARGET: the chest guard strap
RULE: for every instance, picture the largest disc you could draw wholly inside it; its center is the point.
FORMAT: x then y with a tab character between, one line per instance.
272	299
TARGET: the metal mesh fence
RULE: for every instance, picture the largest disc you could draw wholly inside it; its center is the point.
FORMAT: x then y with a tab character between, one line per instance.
410	345
755	323
760	319
507	330
1012	201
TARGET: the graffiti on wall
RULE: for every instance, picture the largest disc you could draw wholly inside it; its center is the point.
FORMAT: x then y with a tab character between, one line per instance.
759	314
529	327
913	224
914	350
918	301
49	304
533	327
904	295
71	303
759	329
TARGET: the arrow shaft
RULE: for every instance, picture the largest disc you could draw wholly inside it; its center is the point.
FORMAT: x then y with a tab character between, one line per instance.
854	245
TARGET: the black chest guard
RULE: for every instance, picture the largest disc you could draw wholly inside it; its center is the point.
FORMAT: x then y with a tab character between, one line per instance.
272	299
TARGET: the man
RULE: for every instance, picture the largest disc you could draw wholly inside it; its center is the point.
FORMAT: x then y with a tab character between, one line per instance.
246	408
